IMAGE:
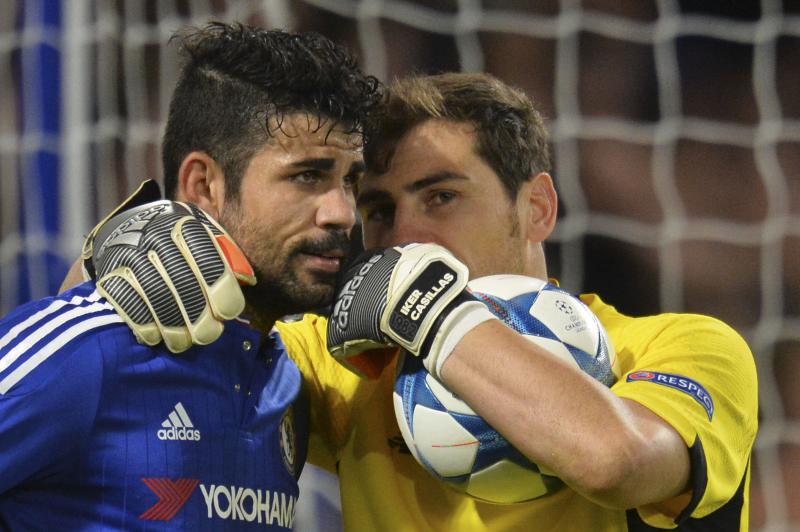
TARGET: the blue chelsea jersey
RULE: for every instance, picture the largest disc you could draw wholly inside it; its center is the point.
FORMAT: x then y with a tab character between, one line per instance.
98	432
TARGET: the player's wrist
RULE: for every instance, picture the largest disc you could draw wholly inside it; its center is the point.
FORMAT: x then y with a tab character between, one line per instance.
465	314
147	192
430	310
412	296
425	284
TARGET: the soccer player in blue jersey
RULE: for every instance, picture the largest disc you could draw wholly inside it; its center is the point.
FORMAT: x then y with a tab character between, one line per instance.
101	432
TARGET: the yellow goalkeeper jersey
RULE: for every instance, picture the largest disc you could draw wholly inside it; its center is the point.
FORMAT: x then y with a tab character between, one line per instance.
693	371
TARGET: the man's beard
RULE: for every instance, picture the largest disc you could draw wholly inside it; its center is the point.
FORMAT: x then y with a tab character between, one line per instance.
280	288
282	291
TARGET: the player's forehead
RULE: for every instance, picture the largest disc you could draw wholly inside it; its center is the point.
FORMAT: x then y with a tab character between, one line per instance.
304	133
437	154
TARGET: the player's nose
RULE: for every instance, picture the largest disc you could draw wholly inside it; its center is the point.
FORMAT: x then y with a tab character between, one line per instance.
336	210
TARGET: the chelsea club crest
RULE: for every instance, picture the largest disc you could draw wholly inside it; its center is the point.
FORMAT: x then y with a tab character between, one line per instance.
288	440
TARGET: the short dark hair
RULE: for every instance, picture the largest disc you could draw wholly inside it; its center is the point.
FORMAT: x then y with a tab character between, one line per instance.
511	136
235	78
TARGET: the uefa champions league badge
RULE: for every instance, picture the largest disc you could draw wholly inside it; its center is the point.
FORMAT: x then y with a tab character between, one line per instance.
680	383
288	437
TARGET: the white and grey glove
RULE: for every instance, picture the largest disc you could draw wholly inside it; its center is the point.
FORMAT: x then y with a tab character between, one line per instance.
413	297
170	271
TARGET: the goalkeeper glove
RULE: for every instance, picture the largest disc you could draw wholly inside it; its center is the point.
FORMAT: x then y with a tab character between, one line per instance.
170	271
413	297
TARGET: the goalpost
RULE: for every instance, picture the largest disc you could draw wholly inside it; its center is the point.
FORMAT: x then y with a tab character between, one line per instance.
675	135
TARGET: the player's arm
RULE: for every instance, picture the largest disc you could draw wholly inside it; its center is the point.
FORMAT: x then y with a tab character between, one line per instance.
47	405
695	371
606	448
611	450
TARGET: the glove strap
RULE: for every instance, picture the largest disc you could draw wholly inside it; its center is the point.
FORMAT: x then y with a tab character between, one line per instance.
429	285
148	191
464	314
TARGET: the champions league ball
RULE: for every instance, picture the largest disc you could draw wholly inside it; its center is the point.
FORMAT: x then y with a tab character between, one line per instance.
455	444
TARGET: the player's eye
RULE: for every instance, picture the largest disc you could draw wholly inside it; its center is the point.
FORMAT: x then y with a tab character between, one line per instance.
351	180
383	214
307	177
441	197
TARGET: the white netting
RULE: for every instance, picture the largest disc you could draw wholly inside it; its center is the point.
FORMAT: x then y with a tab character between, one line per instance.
676	140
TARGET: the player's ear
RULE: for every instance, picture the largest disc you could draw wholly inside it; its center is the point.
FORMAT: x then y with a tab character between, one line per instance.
201	181
541	202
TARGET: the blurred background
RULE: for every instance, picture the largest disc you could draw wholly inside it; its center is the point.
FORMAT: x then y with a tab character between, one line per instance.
675	133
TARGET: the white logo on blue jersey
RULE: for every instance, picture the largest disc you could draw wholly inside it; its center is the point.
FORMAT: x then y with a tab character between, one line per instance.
178	426
234	503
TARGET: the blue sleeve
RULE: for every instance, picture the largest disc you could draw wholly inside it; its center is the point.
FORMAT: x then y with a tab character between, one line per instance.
51	374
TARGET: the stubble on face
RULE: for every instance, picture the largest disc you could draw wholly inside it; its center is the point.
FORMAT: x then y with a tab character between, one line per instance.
502	254
282	288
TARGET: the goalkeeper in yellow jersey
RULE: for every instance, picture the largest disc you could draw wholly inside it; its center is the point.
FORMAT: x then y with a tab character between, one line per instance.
460	160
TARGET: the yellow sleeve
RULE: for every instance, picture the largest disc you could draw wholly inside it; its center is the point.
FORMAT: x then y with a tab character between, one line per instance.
698	375
328	385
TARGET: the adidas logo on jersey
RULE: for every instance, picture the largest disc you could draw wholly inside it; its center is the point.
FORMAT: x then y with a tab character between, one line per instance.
178	426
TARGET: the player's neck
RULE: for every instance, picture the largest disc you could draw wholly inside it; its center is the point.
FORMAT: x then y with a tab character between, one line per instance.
260	320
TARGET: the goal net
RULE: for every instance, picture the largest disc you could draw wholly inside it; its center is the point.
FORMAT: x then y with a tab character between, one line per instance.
675	136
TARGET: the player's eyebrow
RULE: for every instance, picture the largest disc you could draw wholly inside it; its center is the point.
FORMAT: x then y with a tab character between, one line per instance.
323	164
434	179
373	196
357	167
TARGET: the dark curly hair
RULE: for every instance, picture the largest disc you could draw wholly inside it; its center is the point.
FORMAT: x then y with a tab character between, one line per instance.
235	78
